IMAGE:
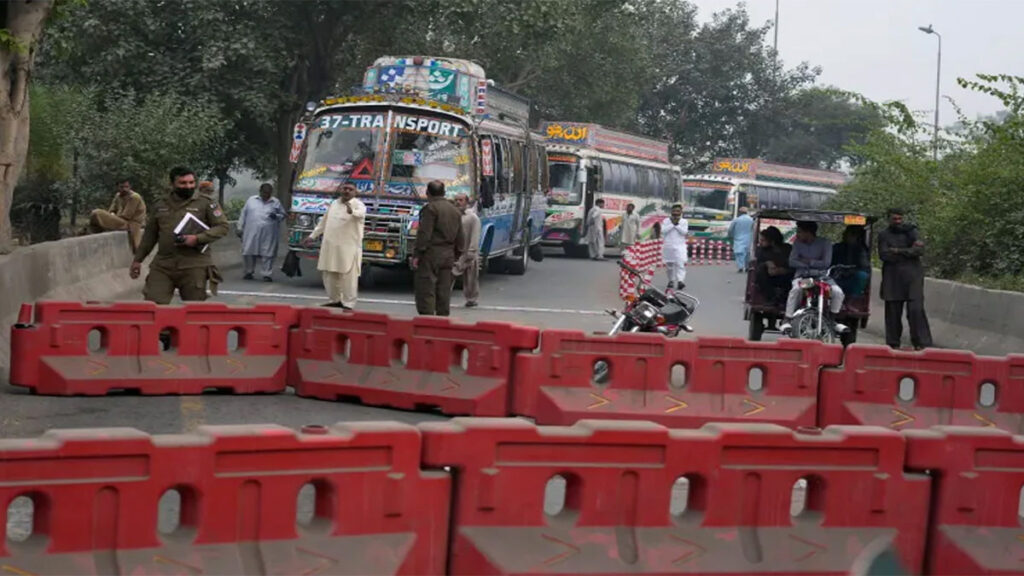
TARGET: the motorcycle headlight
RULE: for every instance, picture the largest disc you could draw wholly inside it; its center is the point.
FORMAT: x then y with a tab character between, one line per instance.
647	311
805	283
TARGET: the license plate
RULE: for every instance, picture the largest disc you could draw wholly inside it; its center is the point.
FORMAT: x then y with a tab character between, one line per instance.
373	245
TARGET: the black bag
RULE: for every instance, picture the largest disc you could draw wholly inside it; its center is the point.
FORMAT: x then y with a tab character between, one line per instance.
291	266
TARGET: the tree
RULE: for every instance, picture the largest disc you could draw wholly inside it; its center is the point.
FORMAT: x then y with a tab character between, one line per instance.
21	26
817	126
715	89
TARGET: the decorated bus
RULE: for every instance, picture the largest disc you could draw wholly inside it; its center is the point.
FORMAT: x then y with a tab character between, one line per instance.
587	162
712	200
418	119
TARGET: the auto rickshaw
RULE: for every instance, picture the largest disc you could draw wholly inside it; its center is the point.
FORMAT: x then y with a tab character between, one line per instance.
764	306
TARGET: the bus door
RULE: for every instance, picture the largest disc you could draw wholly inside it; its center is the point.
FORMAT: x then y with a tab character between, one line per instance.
594	183
520	169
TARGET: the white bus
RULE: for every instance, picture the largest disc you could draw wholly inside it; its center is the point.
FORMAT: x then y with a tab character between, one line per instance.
713	200
586	162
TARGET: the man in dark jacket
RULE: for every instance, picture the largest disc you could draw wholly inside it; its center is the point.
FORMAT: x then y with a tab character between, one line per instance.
439	243
903	282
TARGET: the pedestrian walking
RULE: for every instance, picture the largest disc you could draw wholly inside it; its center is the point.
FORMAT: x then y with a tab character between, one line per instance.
741	232
439	242
259	225
595	230
127	212
341	247
630	226
675	229
182	227
468	265
900	249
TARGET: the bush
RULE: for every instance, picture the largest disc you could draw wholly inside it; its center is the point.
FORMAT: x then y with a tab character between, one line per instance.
968	204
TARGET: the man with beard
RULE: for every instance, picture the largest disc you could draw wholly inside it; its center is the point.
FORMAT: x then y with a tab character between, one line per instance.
341	247
183	261
900	250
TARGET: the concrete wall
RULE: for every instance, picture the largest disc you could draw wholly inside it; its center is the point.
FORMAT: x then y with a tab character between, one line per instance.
83	268
989	322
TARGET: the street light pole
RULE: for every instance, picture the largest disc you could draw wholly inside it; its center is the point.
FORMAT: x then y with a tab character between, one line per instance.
776	46
938	82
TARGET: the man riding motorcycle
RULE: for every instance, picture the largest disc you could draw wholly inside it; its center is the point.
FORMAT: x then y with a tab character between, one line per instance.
810	258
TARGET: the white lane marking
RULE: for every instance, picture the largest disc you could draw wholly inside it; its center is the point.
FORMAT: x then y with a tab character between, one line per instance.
412	303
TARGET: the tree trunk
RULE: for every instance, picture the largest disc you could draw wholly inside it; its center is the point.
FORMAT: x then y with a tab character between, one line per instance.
23	20
285	169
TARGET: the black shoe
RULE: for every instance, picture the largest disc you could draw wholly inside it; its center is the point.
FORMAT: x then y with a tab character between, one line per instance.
471	304
268	279
670	286
247	277
332	305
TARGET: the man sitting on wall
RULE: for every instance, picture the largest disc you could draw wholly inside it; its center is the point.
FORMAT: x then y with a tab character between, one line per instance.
127	212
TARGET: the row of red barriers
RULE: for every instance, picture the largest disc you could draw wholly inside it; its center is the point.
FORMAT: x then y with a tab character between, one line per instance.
497	369
71	348
598	497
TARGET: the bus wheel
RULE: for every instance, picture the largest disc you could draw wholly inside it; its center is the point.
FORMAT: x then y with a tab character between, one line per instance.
520	260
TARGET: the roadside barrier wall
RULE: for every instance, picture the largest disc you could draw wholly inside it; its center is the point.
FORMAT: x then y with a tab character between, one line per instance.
71	348
675	382
422	363
556	377
504	496
96	497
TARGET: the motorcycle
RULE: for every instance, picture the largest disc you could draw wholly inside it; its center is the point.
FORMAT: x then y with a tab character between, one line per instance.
814	320
653	310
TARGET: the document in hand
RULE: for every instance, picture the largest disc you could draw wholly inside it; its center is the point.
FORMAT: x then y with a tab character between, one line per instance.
190	226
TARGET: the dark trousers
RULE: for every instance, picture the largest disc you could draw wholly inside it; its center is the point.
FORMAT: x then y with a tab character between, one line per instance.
920	333
433	287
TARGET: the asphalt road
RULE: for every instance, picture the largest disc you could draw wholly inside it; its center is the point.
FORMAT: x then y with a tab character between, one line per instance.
558	292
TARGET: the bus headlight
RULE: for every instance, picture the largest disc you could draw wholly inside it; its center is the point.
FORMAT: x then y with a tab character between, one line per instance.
304	220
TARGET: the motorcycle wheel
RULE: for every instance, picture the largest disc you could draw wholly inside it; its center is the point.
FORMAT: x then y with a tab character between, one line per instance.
805	327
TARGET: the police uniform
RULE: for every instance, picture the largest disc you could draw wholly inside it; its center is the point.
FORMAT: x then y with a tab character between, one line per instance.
439	243
177	266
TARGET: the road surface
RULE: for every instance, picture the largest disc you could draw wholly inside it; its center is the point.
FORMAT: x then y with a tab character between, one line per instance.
558	292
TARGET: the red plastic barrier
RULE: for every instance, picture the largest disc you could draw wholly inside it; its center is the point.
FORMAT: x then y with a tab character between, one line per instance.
409	364
558	384
97	495
940	387
975	525
90	349
620	488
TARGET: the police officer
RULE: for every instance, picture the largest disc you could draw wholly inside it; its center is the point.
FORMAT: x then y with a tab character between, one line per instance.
439	243
182	260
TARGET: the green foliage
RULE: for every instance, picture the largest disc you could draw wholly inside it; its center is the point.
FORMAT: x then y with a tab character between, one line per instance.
122	135
968	204
233	208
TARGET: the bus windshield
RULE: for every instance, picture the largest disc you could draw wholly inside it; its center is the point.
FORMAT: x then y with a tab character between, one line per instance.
342	147
562	172
709	195
425	148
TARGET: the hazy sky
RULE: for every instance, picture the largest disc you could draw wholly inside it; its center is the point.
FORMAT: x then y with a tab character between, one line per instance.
875	48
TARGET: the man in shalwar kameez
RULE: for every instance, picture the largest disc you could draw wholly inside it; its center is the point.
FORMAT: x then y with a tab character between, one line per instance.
341	250
259	225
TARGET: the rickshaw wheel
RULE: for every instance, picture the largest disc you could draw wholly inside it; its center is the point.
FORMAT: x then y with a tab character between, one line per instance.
756	327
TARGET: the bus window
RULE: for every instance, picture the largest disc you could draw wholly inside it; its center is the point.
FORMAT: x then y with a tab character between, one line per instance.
629	183
661	185
644	188
517	167
501	166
